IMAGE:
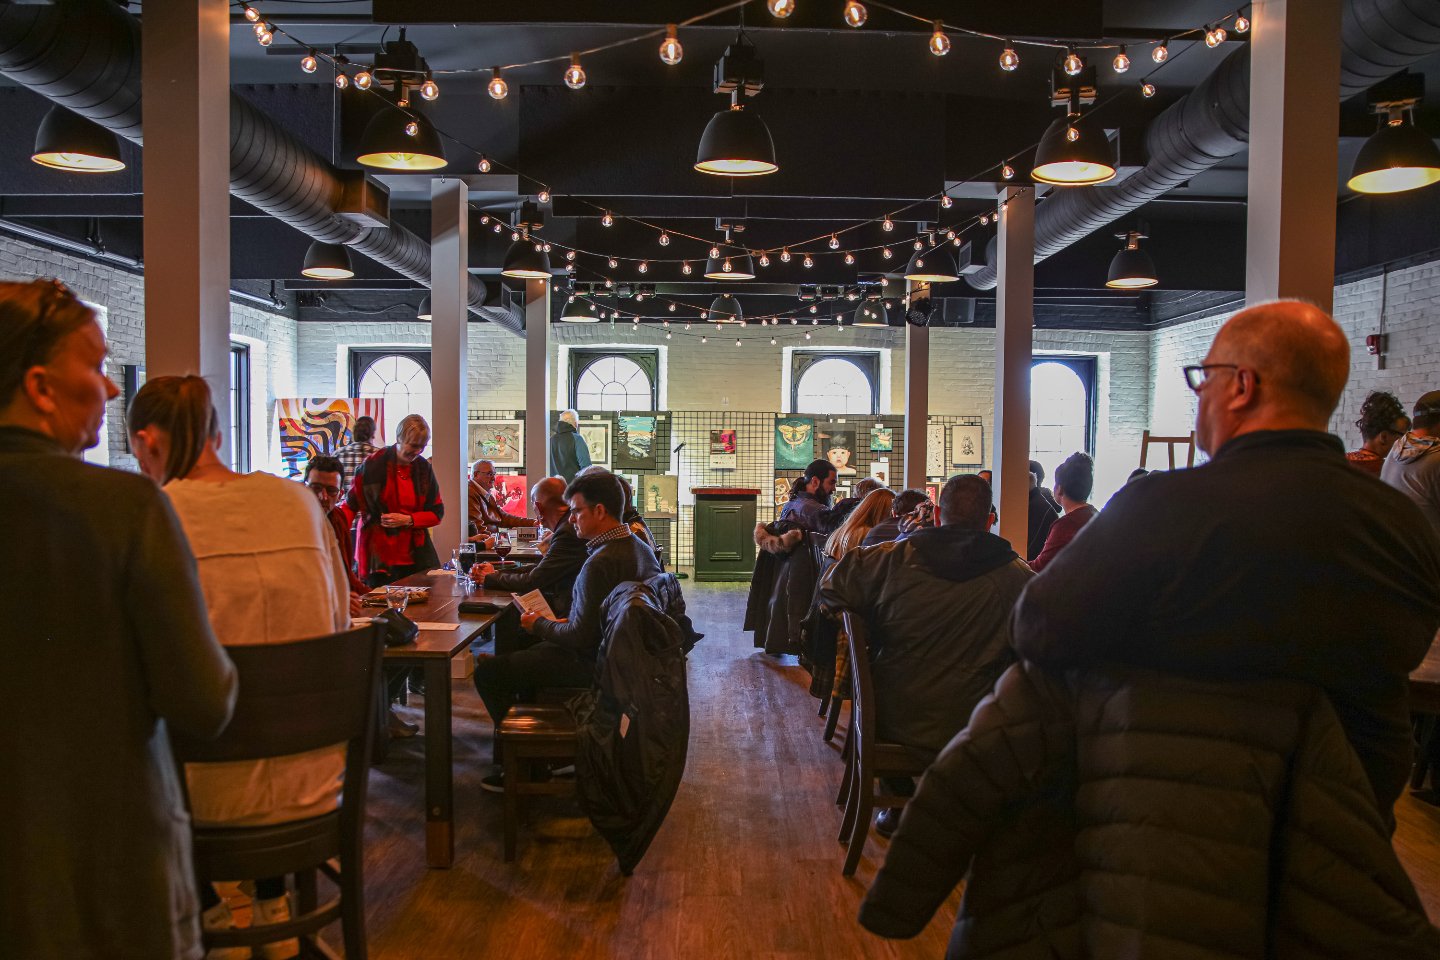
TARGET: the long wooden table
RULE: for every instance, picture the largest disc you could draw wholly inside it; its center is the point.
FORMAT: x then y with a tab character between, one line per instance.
432	652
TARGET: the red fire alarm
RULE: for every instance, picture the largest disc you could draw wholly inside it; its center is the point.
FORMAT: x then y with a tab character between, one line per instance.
1375	344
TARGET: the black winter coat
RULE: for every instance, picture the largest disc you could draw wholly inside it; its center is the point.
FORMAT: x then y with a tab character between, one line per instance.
783	585
635	724
1125	814
554	576
608	565
569	454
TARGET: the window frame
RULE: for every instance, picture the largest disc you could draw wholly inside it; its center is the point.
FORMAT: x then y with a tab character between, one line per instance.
362	358
1087	369
240	386
867	361
582	359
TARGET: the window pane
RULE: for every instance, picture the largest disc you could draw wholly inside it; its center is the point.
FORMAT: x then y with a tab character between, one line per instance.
834	386
404	386
614	383
1058	406
239	408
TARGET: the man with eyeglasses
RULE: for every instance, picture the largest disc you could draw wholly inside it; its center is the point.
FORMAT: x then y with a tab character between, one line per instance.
325	476
1264	562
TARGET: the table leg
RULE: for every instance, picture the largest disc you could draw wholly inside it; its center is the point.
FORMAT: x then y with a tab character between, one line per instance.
439	780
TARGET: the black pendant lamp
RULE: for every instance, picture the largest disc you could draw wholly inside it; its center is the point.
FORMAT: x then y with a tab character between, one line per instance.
725	309
68	141
526	260
872	313
397	140
328	261
1397	157
424	312
578	310
932	266
730	266
1074	152
1131	268
736	143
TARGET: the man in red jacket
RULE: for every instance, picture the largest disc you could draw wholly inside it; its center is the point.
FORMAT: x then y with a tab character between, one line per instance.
1074	482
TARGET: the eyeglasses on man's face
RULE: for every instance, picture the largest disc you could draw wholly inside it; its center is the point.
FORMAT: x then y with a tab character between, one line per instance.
1197	375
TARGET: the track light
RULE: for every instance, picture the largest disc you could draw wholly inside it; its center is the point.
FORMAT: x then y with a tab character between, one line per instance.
524	262
1132	268
68	141
497	87
396	140
736	143
671	52
1397	157
327	261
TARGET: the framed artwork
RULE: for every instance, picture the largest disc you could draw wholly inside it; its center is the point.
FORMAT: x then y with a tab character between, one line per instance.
782	491
661	500
932	490
882	439
935	450
843	490
794	443
597	438
635	447
501	441
317	426
722	449
880	470
967	445
839	447
512	493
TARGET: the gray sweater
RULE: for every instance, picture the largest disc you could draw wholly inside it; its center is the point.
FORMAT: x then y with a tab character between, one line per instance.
107	643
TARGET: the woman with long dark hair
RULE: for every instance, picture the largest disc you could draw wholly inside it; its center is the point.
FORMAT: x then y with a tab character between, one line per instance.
1382	421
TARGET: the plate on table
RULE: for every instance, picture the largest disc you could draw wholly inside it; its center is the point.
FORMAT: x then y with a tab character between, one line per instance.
376	597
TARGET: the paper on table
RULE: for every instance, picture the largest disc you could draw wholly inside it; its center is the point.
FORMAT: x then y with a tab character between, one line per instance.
534	602
436	625
442	573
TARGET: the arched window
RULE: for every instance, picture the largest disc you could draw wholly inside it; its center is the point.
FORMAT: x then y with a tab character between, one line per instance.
1060	405
612	381
835	383
401	379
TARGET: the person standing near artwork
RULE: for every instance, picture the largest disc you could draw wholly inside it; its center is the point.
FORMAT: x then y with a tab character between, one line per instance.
485	509
398	498
569	453
352	455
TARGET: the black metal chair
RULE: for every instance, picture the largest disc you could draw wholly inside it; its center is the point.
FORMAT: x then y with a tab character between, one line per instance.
870	758
296	697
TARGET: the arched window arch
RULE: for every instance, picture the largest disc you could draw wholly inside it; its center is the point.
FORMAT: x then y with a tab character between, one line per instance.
835	383
1061	402
612	381
401	378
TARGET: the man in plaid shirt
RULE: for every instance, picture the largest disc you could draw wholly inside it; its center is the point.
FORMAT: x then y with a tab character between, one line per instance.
351	455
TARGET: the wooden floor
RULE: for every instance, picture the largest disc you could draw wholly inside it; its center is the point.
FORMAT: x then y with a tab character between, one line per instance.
746	864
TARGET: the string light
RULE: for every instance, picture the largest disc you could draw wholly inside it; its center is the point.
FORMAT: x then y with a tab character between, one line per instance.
570	256
484	164
808	262
686	269
670	50
497	86
849	258
497	227
309	63
613	263
412	128
1242	23
807	334
772	341
704	339
1147	89
252	14
1215	36
1072	134
342	81
814	309
575	74
1007	171
1072	64
543	196
764	259
855	13
607	220
888	225
1009	59
939	43
644	267
785	255
265	37
664	239
672	310
1121	63
714	252
984	219
887	253
945	201
919	244
949	234
834	242
737	341
1161	53
430	90
781	8
364	79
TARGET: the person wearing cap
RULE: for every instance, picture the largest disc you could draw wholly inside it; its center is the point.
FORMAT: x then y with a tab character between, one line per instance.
1413	464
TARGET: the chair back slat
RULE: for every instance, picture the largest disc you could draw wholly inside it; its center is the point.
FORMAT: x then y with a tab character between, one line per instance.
862	690
295	697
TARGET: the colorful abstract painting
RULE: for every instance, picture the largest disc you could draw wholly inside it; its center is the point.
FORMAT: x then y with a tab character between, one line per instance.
317	426
882	439
635	449
512	493
499	441
722	449
794	443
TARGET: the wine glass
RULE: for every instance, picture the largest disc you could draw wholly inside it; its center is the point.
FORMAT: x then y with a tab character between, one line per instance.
502	545
397	598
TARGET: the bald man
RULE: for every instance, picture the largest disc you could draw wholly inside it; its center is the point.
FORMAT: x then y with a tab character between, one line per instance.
1265	562
554	575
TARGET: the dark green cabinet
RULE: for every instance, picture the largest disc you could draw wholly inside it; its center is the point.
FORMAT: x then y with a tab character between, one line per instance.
724	533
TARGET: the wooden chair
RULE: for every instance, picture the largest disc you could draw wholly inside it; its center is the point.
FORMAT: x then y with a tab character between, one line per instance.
531	736
870	758
297	697
1170	444
1425	711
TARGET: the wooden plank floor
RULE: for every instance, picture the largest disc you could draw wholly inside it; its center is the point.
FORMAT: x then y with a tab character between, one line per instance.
745	865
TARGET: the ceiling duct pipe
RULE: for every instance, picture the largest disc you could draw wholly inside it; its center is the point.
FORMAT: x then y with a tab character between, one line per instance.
85	56
1212	122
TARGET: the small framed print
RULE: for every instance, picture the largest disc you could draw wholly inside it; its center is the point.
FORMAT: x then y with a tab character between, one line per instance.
967	445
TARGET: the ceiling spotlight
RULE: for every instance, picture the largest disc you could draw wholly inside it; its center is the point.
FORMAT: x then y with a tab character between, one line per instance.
574	74
670	50
1242	23
725	309
429	90
1397	157
781	8
310	63
939	43
1121	63
68	141
736	143
855	13
1161	53
327	261
1009	59
497	87
1072	64
484	164
1132	268
396	140
1147	89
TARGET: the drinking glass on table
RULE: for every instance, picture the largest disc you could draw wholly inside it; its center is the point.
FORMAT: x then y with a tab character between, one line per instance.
466	559
502	545
397	598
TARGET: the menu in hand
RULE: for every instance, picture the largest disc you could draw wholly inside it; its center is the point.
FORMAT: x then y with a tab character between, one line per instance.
534	602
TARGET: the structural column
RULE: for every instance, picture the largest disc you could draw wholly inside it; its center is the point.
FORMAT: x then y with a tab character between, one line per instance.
1014	335
449	348
537	381
917	405
185	72
1294	128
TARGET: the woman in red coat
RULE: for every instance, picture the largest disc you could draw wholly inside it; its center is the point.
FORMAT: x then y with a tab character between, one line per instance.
398	498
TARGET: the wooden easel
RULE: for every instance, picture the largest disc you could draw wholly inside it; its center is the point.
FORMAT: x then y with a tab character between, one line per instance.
1170	444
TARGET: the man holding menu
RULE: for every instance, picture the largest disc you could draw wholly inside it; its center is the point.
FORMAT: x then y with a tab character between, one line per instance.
564	654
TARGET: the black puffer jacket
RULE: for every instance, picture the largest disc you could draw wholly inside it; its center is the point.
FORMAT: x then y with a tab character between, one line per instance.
786	571
1125	814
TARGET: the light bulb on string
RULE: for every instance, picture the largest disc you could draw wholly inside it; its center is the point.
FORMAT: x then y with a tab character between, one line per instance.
260	28
607	220
644	267
780	8
412	128
793	321
849	258
403	103
686	269
984	219
497	87
772	341
430	90
808	262
252	14
1242	23
497	227
949	234
807	334
342	81
1161	53
814	309
266	38
888	225
784	254
310	63
704	339
546	248
664	239
1072	134
939	43
485	219
364	79
1009	59
727	266
1147	89
672	310
574	74
613	263
570	256
515	235
1121	63
1215	36
670	50
737	341
1072	64
919	244
887	253
484	164
764	259
543	196
834	242
609	283
945	201
855	13
1007	172
815	322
